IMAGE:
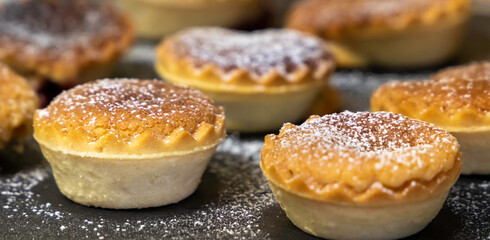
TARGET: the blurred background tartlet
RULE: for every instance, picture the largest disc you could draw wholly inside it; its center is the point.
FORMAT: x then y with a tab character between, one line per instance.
157	18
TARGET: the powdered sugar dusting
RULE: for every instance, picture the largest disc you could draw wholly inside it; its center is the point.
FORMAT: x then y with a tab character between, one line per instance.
259	52
449	95
134	96
364	132
471	200
19	195
472	71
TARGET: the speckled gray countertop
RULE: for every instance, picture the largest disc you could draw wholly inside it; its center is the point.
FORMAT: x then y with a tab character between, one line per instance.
233	200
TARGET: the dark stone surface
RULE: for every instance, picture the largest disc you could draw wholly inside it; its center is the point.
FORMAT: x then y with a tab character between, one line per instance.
233	201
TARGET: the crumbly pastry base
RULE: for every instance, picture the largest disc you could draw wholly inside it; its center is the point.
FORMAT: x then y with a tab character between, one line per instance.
415	47
260	111
154	20
132	182
255	108
475	149
338	221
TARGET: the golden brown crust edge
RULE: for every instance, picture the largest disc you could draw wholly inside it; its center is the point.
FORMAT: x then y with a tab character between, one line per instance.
194	3
211	77
182	69
456	105
68	71
17	104
306	16
376	194
472	71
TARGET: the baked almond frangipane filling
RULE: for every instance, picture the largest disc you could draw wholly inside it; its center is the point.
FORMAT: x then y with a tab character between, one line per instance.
129	143
18	101
62	40
343	176
396	33
362	158
250	74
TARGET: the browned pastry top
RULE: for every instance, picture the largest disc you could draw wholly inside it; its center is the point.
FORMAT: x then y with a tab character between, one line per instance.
17	104
137	116
454	104
55	38
333	18
194	3
472	71
261	57
56	25
362	158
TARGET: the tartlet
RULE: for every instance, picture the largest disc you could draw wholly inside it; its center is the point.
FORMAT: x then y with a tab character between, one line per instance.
65	41
129	143
18	101
460	105
387	33
157	18
262	79
361	175
471	71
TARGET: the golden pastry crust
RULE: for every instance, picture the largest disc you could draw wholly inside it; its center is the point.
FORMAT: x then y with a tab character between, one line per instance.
220	59
61	39
362	158
17	104
332	19
327	101
134	117
472	71
455	105
192	3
